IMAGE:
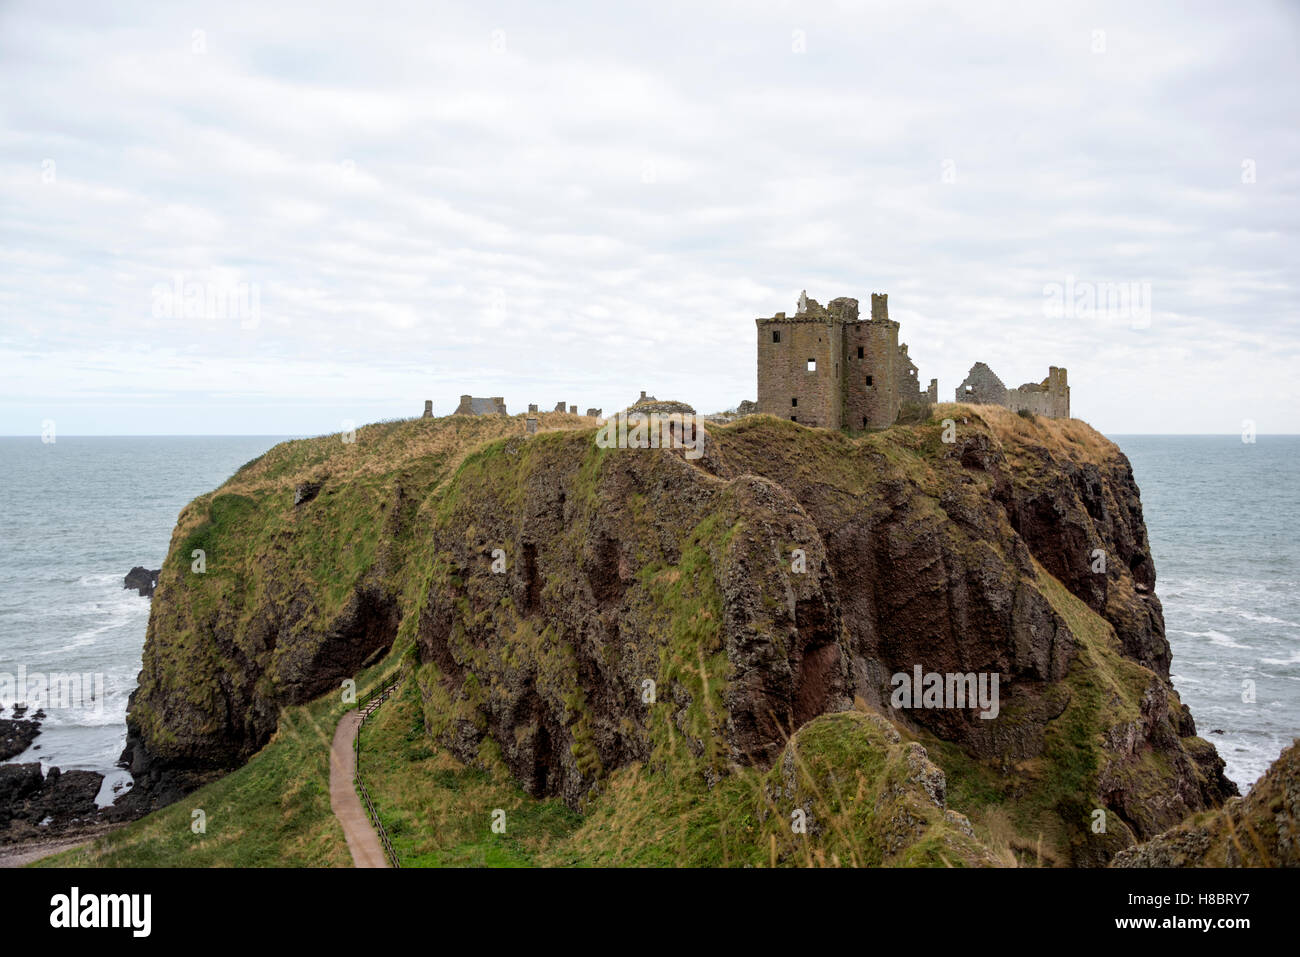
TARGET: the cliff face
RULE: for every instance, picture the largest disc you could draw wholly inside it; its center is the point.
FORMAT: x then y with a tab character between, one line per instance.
277	588
1258	830
574	611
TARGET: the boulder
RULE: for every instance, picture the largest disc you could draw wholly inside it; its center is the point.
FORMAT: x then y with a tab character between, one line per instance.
142	580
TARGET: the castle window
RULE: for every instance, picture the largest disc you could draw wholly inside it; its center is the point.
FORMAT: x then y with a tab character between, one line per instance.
776	336
864	421
812	365
794	418
859	352
868	381
794	402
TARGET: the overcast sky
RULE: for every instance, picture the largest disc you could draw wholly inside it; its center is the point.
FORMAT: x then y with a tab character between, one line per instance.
372	205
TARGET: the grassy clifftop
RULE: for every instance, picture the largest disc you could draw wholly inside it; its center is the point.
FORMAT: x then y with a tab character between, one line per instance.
284	581
622	650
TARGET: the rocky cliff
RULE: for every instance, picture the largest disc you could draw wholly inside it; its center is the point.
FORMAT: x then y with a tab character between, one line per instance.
1258	830
572	612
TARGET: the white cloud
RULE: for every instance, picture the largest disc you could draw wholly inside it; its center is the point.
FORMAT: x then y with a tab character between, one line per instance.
605	201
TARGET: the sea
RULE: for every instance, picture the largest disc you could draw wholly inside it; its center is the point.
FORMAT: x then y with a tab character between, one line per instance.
1223	521
77	513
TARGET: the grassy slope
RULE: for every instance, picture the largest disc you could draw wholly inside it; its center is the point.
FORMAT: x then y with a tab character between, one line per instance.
257	543
276	809
272	812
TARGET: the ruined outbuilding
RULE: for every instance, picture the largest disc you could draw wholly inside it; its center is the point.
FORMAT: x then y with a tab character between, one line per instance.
1049	398
824	366
648	403
470	405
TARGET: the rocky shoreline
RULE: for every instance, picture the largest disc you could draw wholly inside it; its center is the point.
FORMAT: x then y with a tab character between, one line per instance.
58	808
16	734
38	806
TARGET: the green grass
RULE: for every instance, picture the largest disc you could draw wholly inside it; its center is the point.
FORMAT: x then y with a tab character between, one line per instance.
440	813
272	812
848	770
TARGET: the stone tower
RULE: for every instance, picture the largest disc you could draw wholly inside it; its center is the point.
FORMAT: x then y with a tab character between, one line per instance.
826	367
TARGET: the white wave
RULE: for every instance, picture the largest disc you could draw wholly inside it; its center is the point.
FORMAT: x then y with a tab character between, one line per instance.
86	718
1293	660
100	580
1264	619
119	617
1216	638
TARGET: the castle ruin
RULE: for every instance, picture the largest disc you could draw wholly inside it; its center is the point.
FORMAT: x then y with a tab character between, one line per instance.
470	405
1049	398
826	367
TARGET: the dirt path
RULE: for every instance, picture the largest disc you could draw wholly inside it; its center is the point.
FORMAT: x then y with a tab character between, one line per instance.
20	855
362	840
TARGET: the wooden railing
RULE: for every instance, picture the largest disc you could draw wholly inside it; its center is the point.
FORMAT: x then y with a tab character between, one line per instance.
368	706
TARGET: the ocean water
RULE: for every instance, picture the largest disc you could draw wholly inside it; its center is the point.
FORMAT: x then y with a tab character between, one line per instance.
77	514
1223	518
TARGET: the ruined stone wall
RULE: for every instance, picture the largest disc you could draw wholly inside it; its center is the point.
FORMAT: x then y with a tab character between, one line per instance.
1058	385
472	405
909	382
1050	398
785	386
982	387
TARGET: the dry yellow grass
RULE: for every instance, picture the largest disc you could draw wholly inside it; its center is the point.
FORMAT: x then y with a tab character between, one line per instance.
384	447
1077	439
